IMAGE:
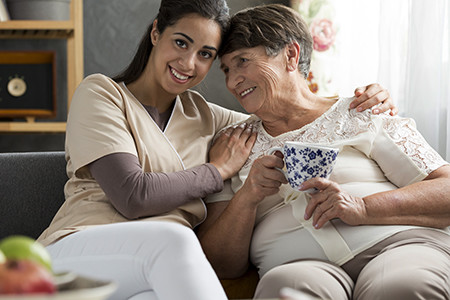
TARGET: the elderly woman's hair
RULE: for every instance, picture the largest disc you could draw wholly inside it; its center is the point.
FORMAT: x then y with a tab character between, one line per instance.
170	12
273	26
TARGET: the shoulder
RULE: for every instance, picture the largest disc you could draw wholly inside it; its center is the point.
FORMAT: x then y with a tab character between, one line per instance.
98	87
96	82
98	79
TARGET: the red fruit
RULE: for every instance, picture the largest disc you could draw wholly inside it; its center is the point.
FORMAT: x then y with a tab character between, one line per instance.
25	277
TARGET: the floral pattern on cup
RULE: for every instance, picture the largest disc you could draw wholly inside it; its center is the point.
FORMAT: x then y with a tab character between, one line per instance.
309	162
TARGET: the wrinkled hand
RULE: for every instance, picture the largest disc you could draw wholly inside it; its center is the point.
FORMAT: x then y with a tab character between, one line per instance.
371	95
332	202
231	149
263	179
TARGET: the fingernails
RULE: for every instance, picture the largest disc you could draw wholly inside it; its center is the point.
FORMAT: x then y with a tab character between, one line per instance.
376	111
306	216
359	109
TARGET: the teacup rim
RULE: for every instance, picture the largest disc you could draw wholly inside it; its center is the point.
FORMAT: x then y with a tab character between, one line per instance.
312	145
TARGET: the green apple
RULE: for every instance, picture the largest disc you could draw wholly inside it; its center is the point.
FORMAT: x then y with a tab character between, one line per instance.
19	247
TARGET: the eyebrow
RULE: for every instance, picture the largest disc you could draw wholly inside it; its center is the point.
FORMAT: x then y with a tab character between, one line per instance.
233	59
192	41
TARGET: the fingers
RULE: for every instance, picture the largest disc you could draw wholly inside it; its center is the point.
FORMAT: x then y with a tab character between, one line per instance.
321	206
264	173
316	199
268	167
242	131
373	95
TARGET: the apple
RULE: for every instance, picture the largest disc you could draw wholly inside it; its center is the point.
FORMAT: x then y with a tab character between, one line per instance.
19	247
25	277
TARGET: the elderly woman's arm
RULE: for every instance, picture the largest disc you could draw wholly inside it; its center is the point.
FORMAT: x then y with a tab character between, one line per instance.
227	231
425	203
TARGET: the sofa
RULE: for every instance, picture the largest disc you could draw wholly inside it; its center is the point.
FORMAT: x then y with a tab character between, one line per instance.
32	190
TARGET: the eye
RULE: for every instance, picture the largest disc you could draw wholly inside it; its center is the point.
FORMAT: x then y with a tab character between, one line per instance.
181	43
206	54
242	60
225	70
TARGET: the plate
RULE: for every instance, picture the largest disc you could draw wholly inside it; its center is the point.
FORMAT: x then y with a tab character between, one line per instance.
72	287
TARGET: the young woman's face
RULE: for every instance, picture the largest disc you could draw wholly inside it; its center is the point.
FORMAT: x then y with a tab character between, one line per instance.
184	52
253	77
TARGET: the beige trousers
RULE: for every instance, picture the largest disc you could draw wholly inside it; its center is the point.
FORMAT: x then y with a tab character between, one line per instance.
413	264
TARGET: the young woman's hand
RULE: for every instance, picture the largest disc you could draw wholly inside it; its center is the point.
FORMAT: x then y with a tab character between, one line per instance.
371	95
231	149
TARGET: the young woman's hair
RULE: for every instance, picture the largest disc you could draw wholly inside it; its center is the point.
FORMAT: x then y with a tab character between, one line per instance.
272	26
170	11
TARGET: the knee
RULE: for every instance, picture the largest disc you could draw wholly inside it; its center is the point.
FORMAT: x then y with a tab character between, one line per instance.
178	238
420	284
273	281
316	279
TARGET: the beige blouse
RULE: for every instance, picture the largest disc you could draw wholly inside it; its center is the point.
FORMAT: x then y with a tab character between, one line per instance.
106	118
377	153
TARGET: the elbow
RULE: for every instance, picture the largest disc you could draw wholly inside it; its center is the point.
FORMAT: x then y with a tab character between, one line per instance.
133	209
130	215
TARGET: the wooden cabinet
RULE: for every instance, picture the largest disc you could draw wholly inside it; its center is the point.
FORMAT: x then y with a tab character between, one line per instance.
72	31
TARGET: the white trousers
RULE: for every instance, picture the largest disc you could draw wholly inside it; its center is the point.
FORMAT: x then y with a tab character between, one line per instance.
148	260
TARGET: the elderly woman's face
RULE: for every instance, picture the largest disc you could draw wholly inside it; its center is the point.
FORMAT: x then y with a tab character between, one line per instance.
253	77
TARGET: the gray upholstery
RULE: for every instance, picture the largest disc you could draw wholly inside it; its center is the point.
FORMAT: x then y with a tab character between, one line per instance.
31	191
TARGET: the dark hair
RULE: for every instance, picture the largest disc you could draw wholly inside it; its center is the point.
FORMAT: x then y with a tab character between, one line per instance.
170	11
273	26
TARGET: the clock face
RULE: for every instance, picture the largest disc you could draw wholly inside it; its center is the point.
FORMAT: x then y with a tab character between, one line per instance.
17	87
25	88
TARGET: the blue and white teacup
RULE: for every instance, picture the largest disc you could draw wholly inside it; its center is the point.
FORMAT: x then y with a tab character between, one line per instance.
306	161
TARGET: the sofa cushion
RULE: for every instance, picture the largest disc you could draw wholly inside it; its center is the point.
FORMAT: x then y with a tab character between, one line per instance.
31	191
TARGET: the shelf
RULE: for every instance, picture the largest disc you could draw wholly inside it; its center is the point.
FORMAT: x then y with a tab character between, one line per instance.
24	127
36	29
72	31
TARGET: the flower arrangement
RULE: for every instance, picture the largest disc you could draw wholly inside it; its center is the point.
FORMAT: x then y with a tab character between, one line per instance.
320	17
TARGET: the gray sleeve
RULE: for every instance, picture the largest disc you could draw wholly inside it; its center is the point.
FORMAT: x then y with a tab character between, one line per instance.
135	193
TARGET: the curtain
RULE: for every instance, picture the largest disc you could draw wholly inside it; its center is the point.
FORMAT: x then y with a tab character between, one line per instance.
401	44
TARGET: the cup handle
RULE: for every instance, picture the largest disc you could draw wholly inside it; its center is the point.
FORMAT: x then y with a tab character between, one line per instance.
272	151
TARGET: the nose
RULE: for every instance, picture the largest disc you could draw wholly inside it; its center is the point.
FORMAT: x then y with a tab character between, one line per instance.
233	79
187	61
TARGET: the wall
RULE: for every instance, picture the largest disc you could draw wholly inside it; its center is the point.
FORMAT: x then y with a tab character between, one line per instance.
112	30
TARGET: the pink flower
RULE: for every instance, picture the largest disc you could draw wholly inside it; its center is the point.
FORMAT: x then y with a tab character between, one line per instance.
323	34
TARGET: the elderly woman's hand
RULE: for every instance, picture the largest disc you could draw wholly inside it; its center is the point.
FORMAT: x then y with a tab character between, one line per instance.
331	202
231	149
264	179
371	95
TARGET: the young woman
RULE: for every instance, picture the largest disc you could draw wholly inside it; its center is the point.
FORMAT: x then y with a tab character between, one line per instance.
137	160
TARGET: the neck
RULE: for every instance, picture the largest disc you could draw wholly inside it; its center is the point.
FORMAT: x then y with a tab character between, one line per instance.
148	92
289	114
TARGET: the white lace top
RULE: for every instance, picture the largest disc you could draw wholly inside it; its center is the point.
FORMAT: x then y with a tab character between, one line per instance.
377	153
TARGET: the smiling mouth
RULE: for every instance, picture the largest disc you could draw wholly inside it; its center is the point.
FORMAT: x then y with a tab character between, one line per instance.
247	91
178	75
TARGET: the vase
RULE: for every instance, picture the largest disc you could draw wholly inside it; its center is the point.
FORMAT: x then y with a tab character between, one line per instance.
39	9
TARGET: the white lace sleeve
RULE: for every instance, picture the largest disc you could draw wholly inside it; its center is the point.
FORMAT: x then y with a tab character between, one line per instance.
402	152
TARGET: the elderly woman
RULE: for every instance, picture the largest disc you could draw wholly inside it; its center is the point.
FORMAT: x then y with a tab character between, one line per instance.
375	230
